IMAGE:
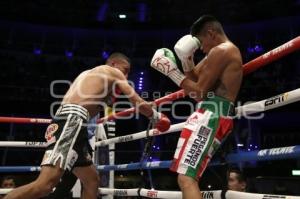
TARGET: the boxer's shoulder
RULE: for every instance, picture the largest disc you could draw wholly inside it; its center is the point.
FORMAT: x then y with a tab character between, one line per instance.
106	70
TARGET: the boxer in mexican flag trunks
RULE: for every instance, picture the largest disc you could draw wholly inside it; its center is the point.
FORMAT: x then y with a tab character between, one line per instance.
202	135
215	81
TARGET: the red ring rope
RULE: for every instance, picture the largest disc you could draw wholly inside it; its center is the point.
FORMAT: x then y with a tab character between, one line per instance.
24	120
272	55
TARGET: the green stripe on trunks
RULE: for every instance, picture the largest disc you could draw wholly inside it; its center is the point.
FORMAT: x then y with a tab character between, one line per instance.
219	106
213	124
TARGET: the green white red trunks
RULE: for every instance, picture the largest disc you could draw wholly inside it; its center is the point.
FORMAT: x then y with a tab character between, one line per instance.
202	135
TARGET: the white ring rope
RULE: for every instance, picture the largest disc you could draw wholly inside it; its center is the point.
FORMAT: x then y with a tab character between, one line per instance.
270	103
28	144
149	193
178	195
256	107
140	135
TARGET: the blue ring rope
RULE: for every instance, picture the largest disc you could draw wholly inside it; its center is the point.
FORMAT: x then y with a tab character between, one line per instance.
292	152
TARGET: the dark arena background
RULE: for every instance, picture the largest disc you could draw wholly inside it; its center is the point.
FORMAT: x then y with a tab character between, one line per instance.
43	41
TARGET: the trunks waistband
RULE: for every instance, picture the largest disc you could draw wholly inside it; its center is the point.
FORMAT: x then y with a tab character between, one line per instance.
218	105
66	109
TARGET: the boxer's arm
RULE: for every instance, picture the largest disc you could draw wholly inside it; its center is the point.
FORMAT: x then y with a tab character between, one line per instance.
193	75
215	64
144	107
160	121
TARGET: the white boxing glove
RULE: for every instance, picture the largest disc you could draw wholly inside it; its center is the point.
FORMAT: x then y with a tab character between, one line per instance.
185	49
164	61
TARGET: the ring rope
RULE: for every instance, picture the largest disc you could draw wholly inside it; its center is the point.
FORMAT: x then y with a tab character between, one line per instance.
149	193
272	55
279	153
23	120
23	144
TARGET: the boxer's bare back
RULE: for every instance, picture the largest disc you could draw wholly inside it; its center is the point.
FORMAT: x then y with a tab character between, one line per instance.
92	86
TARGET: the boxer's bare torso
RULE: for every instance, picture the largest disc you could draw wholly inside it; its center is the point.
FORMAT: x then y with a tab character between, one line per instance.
220	72
230	76
91	88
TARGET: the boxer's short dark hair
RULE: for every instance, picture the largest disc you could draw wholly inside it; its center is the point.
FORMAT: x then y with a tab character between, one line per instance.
118	55
200	24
